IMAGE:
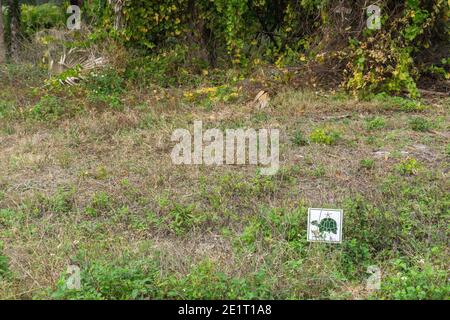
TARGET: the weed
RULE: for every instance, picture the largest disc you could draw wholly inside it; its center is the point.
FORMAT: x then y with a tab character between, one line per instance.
4	263
206	282
111	281
182	218
64	159
299	139
367	163
420	124
375	123
48	108
61	201
408	166
324	136
9	217
6	109
416	283
147	121
399	103
107	82
100	202
319	171
105	88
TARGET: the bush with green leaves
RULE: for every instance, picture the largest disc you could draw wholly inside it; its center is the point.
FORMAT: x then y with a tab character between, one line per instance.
43	16
169	67
105	88
416	283
247	33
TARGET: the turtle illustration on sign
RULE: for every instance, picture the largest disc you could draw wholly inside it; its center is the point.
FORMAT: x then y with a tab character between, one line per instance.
326	225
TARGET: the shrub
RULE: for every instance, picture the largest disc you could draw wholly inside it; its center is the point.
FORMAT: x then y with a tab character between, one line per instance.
44	16
104	88
106	82
167	67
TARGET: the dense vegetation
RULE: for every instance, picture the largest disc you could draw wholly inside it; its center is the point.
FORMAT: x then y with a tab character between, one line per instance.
86	177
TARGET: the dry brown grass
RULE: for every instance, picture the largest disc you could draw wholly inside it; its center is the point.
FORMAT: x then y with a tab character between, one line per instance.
94	152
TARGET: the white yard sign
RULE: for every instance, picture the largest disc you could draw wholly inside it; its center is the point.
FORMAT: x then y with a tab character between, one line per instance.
325	225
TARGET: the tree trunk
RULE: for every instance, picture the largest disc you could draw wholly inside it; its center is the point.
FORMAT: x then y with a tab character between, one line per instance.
2	37
14	11
117	8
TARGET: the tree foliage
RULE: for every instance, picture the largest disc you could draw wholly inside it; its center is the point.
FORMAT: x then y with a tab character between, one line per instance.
328	40
413	36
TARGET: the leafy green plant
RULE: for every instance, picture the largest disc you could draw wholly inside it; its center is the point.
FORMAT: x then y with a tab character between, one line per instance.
420	124
183	218
367	163
4	262
61	201
205	281
375	123
6	108
324	136
408	166
9	217
273	223
105	88
167	67
299	139
105	281
355	257
318	171
416	283
48	108
44	16
398	103
108	81
100	202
